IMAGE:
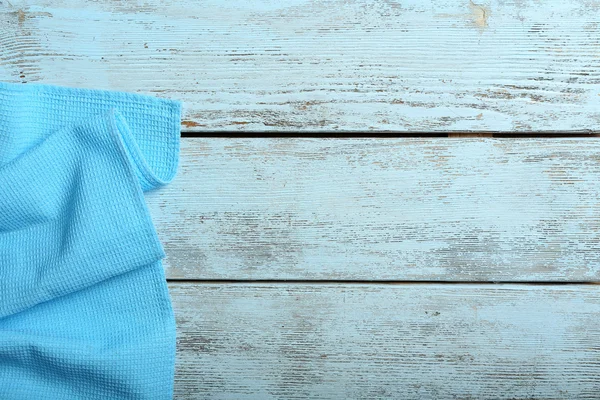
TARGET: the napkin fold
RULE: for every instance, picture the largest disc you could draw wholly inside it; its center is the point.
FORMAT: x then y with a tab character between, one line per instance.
84	308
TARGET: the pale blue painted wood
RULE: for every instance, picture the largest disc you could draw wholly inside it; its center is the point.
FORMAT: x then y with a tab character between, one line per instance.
383	209
302	65
340	341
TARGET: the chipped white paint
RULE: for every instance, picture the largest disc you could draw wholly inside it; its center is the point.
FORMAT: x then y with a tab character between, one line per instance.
471	209
336	341
324	65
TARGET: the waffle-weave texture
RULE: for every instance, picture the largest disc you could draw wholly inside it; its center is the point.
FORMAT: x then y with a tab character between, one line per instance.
84	308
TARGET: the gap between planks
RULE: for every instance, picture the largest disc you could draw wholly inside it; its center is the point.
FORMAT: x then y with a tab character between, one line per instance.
329	134
374	282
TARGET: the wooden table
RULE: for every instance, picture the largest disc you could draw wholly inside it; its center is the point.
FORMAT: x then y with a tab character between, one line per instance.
325	237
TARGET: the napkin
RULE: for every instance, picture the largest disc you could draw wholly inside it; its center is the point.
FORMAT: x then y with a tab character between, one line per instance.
84	308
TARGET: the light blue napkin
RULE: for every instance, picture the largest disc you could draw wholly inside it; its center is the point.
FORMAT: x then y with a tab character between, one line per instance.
84	307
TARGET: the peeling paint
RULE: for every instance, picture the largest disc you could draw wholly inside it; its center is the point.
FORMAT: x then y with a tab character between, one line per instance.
190	124
23	15
479	15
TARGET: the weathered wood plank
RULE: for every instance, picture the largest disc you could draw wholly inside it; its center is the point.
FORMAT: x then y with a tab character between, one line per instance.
465	209
338	341
324	65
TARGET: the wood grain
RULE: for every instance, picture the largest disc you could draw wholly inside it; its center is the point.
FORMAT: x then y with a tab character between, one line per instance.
324	65
469	209
335	341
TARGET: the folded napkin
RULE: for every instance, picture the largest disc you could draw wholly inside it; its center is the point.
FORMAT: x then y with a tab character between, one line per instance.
84	307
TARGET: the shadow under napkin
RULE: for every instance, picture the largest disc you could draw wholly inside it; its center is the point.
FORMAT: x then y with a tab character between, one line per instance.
84	308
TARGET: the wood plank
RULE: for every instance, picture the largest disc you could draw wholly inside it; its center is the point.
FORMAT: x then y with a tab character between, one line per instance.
469	209
336	341
326	65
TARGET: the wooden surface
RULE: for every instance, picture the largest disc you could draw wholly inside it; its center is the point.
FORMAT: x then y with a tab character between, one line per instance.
323	65
478	209
353	213
336	341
